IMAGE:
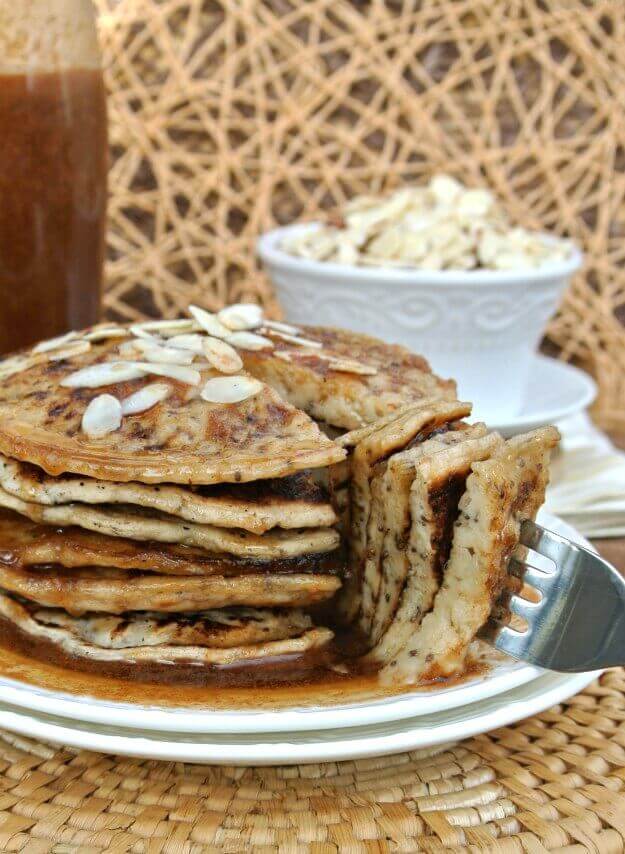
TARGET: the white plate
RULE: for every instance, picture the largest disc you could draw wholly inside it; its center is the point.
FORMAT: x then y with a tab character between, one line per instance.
91	710
310	747
555	391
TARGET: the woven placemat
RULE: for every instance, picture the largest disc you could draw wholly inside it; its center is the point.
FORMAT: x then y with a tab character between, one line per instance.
554	782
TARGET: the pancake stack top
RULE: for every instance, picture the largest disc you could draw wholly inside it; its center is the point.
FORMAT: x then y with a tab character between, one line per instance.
165	490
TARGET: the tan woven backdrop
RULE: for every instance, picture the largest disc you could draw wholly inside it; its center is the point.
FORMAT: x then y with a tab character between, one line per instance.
230	116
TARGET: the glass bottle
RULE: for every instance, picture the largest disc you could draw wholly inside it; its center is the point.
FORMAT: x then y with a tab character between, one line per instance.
53	169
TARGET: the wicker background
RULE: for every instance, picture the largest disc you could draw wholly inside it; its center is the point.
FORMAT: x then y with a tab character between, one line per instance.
553	783
229	116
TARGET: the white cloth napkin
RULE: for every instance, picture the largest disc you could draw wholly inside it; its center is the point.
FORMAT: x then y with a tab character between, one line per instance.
587	486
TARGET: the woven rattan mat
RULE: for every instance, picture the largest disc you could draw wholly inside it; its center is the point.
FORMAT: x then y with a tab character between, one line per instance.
555	782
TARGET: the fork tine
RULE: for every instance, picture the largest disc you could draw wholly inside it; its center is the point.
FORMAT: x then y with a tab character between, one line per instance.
523	608
511	642
543	582
550	545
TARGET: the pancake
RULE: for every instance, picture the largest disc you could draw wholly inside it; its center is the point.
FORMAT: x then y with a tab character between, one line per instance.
339	398
39	627
412	425
116	591
222	629
500	493
400	518
25	543
183	439
290	502
137	524
430	486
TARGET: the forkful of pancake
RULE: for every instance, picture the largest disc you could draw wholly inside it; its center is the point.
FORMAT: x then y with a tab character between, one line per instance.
225	490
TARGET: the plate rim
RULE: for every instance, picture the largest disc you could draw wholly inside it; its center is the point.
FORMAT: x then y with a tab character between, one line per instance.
503	710
294	719
524	421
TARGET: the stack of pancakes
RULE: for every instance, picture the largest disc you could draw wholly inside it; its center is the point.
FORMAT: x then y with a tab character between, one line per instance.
200	529
223	490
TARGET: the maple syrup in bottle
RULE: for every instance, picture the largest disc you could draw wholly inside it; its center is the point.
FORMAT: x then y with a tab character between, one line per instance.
53	169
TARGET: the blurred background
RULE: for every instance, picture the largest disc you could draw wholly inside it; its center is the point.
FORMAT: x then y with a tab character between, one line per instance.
229	117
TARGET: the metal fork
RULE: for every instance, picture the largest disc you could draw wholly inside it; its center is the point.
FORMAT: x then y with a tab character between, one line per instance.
579	622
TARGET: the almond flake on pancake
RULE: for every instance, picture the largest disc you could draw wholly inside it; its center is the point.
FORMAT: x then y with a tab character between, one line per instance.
222	356
175	372
278	326
102	333
164	354
16	364
145	398
102	416
249	341
296	339
145	335
166	328
209	322
104	373
230	389
349	366
192	341
241	316
74	348
54	343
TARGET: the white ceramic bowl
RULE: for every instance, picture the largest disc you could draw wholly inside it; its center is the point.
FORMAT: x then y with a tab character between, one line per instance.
481	327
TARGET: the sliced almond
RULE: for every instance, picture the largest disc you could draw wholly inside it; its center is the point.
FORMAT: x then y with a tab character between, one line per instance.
222	356
55	343
74	348
145	398
146	335
104	373
284	355
349	366
166	328
241	316
101	333
176	372
102	416
194	342
230	389
296	339
165	355
249	341
130	349
209	322
16	364
278	326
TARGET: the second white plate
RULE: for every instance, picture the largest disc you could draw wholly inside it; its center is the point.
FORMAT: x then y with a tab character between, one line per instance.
556	390
308	747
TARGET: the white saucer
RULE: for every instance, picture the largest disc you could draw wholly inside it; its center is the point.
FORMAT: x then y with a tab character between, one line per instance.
96	713
555	391
308	747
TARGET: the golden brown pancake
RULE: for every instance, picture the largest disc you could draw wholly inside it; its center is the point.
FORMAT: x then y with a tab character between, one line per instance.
42	627
501	492
339	398
26	543
184	439
135	523
412	424
115	590
290	502
223	629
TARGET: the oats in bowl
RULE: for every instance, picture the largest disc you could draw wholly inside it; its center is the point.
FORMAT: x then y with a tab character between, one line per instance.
441	226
